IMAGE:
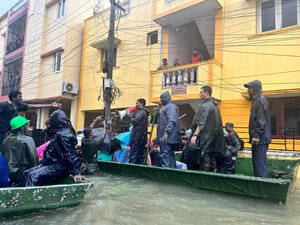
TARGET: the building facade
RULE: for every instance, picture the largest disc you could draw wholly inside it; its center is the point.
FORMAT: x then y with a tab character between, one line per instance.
43	54
238	41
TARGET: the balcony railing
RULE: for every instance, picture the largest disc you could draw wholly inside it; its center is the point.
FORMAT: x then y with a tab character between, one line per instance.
184	76
184	81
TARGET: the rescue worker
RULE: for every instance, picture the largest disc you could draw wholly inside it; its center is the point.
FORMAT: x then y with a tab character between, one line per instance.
19	150
259	128
168	131
60	157
138	135
208	137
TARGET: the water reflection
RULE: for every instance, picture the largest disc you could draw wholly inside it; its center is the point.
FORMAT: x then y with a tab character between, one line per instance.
122	200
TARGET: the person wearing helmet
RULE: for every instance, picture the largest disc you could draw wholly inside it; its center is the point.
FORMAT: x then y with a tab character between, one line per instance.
18	150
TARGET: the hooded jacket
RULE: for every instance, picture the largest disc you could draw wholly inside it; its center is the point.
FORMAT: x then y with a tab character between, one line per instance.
61	148
260	119
168	120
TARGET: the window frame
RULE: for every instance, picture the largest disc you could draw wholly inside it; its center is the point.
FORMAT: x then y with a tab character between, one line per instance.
149	35
61	7
278	15
55	62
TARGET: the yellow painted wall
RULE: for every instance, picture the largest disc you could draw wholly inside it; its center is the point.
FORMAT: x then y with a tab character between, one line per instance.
135	59
248	55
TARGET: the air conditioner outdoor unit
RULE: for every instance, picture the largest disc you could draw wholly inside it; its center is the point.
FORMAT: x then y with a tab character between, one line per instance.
70	88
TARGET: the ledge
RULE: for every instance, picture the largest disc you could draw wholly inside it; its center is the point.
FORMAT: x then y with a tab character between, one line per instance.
52	52
274	32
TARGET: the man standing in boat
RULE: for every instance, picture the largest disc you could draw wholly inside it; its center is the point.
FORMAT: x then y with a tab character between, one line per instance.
208	136
259	128
138	136
168	131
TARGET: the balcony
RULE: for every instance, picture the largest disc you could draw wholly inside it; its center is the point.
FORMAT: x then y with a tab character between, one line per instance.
184	82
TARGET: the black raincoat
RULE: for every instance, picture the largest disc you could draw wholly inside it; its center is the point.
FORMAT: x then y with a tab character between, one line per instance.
260	120
211	137
60	158
138	136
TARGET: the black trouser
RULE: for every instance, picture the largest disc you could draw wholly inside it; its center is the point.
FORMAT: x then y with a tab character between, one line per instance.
259	160
137	152
208	162
167	155
44	175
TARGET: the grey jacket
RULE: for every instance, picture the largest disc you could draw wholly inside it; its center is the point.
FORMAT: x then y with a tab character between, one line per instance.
168	120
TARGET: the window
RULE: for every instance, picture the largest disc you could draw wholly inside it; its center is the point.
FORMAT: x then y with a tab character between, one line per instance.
285	117
57	62
61	8
120	13
152	38
277	14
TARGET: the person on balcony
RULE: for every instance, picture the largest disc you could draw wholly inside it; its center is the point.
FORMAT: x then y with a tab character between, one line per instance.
164	65
168	131
138	135
259	128
176	62
11	108
196	56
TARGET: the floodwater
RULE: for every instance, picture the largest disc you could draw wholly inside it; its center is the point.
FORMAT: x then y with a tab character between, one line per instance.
118	200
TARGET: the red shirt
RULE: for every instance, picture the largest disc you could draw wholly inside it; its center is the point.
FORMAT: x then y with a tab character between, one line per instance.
196	58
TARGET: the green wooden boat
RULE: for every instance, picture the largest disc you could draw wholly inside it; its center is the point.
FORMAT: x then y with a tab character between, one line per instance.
241	183
21	200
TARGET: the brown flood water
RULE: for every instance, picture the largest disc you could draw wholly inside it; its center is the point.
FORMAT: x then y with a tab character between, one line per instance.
118	200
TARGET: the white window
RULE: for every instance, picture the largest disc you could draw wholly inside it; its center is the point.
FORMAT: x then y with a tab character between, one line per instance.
61	8
277	14
120	13
57	62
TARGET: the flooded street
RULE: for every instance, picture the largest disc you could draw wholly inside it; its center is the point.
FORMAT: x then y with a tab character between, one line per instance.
123	200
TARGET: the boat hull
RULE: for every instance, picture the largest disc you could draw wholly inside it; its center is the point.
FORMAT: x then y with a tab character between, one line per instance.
275	190
21	200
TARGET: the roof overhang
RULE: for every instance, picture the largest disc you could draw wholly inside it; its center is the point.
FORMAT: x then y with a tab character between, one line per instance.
188	14
103	44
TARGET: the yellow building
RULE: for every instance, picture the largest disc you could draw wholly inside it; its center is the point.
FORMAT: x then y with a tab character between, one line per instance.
238	41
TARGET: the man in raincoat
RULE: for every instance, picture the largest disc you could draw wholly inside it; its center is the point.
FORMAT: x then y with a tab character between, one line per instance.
60	157
168	131
259	128
138	135
19	150
208	137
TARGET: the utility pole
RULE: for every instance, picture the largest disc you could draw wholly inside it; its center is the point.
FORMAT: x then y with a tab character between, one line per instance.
110	58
